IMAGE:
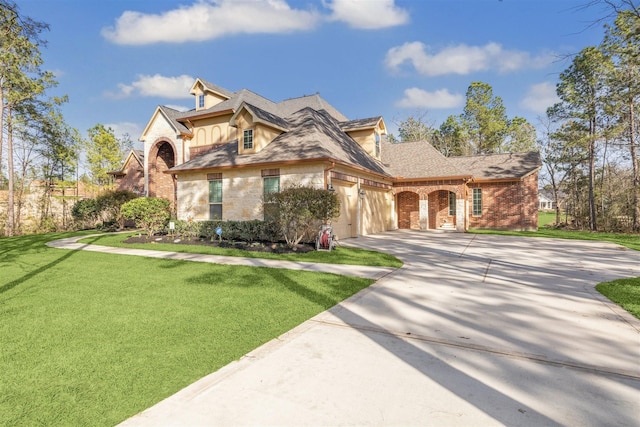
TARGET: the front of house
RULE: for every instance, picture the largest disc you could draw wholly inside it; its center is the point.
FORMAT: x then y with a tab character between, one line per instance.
218	161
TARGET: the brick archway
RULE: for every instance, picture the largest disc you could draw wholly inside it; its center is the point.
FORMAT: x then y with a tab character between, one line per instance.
408	210
161	158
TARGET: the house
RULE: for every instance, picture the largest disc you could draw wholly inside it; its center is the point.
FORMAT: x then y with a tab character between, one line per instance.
131	175
545	203
218	160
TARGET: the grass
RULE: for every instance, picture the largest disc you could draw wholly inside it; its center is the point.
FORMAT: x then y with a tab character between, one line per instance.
340	255
624	292
631	241
92	339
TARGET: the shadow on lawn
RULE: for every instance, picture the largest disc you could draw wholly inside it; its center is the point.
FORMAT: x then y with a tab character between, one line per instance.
16	247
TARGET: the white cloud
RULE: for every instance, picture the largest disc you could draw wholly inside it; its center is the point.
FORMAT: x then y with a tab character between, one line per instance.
157	86
209	19
179	107
368	14
539	97
440	99
462	59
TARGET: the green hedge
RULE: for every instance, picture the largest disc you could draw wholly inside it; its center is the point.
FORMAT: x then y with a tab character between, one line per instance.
246	231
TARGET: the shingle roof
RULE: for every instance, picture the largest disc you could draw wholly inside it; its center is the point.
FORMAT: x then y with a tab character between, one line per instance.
290	106
314	135
367	123
174	116
268	117
216	88
417	159
499	166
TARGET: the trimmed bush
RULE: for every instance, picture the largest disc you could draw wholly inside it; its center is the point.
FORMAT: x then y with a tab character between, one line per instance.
149	213
299	211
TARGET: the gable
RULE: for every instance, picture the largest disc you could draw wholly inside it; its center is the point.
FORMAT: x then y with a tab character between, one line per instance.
164	122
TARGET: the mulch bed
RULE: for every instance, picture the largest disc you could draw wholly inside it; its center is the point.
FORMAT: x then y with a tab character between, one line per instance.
278	248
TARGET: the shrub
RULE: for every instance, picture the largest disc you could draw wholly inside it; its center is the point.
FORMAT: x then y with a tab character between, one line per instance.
109	204
246	231
85	213
105	208
149	213
299	211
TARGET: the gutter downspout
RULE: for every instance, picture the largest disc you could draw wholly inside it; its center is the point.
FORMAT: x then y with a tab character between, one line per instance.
327	180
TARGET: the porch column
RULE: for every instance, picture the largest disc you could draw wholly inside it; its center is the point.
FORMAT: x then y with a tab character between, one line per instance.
423	214
460	213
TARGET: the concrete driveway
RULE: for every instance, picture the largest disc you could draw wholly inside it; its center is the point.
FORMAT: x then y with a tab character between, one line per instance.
474	330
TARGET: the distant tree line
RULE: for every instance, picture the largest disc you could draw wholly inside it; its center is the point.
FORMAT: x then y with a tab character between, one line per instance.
589	139
36	143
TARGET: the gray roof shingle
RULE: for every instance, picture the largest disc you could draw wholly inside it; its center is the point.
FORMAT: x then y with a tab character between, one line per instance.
313	135
417	159
499	166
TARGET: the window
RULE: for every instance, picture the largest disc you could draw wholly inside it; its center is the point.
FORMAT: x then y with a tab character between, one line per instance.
247	139
271	181
452	204
201	101
215	197
377	148
477	202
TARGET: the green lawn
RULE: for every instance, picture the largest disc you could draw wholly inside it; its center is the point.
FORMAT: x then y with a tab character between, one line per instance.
624	292
91	339
340	255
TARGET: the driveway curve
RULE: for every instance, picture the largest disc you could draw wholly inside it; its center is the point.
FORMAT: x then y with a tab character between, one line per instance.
474	330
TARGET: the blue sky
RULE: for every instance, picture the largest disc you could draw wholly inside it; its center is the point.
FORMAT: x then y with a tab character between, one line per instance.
117	60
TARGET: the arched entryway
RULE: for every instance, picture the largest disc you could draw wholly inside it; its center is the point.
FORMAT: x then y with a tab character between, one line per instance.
442	210
408	210
161	158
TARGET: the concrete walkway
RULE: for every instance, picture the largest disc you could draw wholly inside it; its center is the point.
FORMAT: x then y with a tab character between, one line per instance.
474	330
346	270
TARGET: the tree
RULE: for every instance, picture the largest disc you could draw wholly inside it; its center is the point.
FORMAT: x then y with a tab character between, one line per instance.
521	136
485	119
452	139
581	90
21	80
622	47
104	153
415	129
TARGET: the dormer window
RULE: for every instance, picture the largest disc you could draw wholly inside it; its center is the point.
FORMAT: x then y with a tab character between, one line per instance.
247	139
377	148
201	101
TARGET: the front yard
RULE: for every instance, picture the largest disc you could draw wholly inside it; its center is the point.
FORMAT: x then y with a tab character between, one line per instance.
92	339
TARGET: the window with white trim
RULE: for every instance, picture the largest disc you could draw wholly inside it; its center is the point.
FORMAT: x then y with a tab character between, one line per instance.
201	101
271	184
247	139
215	196
452	204
477	202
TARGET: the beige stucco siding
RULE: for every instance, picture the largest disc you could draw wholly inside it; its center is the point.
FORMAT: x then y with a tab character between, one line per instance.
366	139
213	130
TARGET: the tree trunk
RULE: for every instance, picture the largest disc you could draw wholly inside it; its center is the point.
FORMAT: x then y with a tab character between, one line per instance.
10	210
592	176
634	164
